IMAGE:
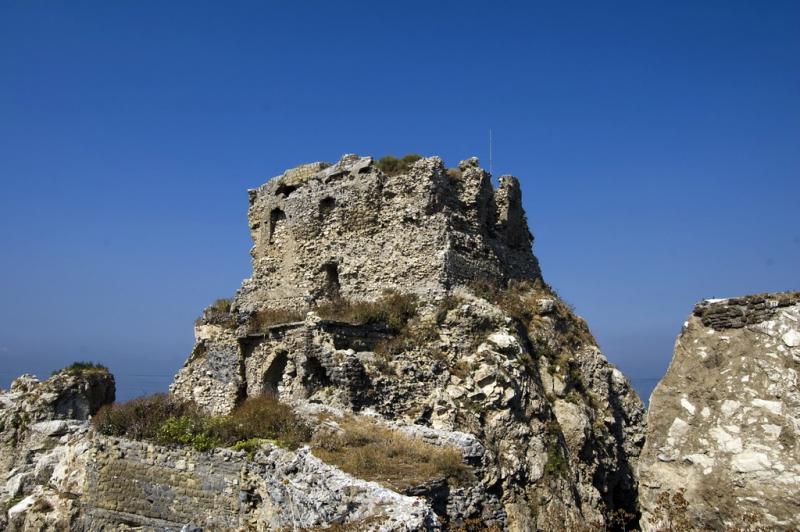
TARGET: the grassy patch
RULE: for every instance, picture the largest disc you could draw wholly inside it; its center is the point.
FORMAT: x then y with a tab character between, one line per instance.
556	464
141	418
11	503
169	421
218	313
392	308
391	165
520	301
265	318
221	305
77	369
373	452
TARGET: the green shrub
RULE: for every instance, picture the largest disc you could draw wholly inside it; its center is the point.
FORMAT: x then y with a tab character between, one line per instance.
141	418
197	431
80	368
392	166
249	446
169	421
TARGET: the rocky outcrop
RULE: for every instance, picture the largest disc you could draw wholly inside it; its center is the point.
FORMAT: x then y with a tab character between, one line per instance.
141	485
492	352
59	474
723	427
39	422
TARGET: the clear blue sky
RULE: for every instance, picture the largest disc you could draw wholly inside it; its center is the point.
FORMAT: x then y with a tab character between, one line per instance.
658	144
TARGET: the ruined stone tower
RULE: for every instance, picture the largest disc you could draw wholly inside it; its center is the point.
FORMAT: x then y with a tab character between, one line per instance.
504	369
350	230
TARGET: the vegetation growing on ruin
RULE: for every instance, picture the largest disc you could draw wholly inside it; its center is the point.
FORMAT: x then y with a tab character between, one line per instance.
362	448
392	166
140	418
221	305
77	369
520	300
370	451
393	309
218	313
167	420
263	319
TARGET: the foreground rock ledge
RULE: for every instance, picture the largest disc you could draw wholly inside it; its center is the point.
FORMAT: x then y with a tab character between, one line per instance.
724	423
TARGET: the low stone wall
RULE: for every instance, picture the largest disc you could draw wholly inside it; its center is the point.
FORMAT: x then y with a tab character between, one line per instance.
137	483
735	313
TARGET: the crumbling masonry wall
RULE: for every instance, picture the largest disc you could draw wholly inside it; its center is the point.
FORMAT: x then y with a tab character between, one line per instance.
349	230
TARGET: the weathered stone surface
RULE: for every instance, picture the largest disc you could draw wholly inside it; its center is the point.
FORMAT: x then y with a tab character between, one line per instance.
64	476
724	423
39	421
559	428
34	413
348	229
493	363
212	376
149	486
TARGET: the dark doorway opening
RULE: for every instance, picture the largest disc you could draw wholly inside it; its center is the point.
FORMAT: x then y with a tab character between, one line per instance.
274	374
276	216
315	375
326	206
331	287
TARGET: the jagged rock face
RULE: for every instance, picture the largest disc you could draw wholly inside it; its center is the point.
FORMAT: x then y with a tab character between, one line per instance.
560	427
90	482
38	423
724	423
59	474
168	489
347	229
32	407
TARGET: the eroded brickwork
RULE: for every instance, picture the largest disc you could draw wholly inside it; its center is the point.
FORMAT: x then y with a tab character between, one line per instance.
348	229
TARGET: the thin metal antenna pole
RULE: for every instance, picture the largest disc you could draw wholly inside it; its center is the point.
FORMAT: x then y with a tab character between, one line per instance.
490	151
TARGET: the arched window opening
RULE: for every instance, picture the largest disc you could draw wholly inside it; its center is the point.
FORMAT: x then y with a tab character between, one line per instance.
315	375
276	217
326	206
331	286
274	374
284	190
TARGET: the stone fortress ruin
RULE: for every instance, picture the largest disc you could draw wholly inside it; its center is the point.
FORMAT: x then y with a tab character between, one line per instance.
349	230
402	309
354	232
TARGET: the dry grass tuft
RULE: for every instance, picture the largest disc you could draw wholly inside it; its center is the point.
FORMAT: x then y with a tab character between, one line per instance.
76	369
140	418
263	319
392	166
367	450
392	308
